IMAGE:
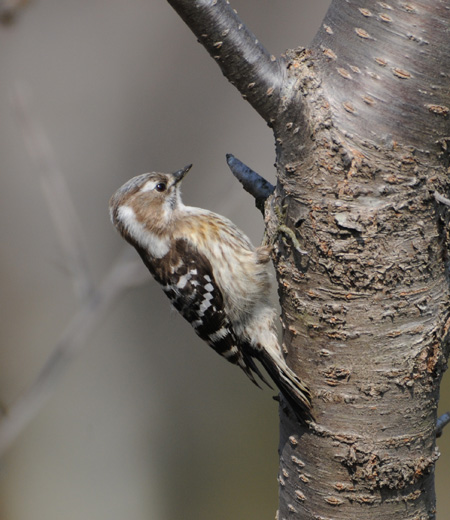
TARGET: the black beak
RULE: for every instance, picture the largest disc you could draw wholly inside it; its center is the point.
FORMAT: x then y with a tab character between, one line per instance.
179	175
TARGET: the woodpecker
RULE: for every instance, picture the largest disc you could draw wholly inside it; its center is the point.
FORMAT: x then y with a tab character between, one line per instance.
217	280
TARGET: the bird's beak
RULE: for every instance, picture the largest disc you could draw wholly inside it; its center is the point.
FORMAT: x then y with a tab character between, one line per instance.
179	175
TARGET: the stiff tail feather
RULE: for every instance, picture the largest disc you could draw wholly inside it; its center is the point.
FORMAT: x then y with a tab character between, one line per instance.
294	391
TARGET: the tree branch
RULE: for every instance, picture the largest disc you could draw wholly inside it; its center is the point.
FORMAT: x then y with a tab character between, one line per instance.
441	423
244	61
62	210
96	299
126	272
252	182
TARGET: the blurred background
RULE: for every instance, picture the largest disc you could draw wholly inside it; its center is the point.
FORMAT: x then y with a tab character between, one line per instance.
146	422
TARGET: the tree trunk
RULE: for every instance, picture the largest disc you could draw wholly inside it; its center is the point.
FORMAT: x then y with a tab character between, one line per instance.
364	315
361	124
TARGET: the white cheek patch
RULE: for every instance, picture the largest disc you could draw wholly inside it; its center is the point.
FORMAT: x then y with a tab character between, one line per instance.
149	186
153	244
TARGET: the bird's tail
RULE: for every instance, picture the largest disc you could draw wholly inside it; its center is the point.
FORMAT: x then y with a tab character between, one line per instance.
294	391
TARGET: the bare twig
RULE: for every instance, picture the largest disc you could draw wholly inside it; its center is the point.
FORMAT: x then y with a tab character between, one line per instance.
252	182
244	61
441	423
126	272
62	210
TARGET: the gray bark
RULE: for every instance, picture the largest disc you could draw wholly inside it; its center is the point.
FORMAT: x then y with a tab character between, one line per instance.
361	124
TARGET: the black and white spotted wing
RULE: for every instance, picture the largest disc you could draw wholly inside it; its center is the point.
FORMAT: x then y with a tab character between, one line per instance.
187	279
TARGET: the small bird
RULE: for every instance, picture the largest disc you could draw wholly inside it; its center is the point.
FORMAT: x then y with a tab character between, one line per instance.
217	280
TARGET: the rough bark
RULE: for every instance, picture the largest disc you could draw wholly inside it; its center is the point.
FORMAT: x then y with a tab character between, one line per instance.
365	316
361	128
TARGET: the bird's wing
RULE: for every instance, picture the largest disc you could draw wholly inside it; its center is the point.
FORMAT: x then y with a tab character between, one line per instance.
188	281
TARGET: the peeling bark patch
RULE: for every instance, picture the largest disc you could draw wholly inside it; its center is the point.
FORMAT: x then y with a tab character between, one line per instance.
346	221
362	33
381	61
297	461
369	100
433	357
413	496
401	73
374	390
334	501
365	499
335	375
385	18
344	73
428	360
410	8
293	441
303	478
299	495
344	486
379	471
440	110
365	12
329	54
349	107
330	396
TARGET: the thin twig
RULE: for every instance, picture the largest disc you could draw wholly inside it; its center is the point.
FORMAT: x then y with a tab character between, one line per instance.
126	272
252	182
61	207
441	423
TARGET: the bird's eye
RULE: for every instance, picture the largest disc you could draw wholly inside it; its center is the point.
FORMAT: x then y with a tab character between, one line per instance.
161	186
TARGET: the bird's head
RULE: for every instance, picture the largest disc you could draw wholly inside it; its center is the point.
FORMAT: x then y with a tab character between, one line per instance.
149	199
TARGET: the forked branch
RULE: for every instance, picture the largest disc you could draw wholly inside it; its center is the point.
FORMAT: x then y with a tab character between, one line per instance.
126	272
96	299
244	61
